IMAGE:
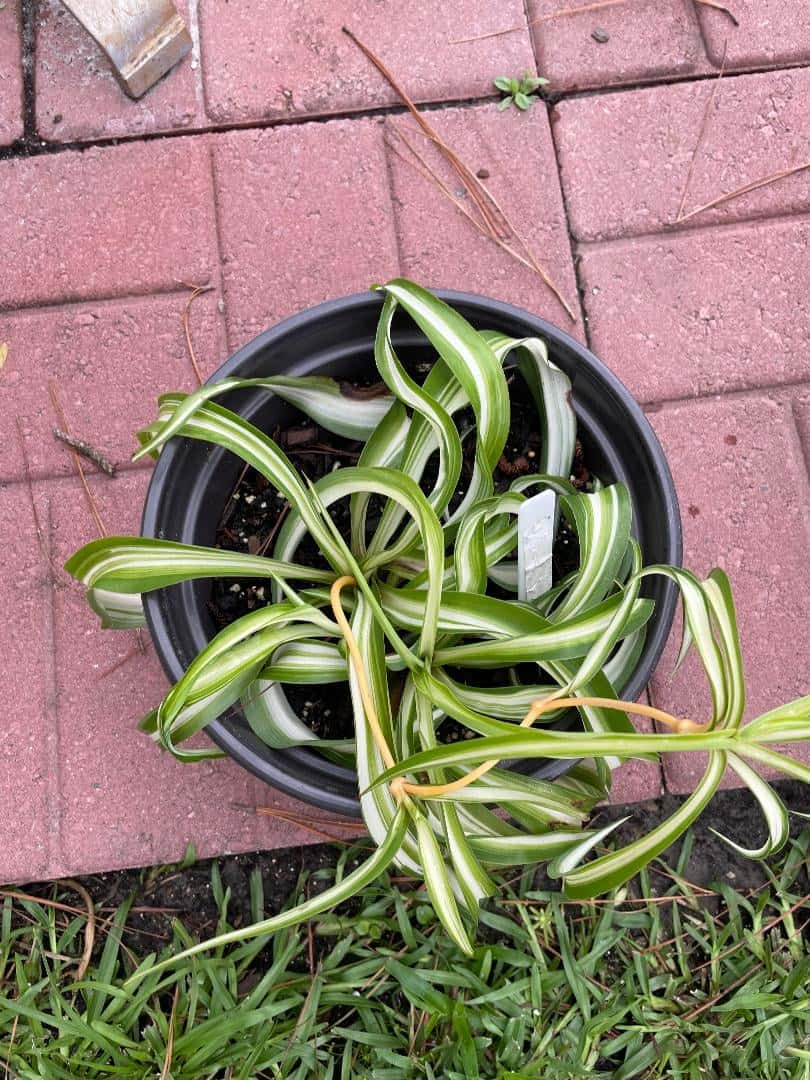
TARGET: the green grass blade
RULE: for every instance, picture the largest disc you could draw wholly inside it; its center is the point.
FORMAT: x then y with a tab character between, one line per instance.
351	884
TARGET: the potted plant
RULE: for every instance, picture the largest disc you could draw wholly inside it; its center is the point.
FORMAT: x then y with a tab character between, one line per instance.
397	576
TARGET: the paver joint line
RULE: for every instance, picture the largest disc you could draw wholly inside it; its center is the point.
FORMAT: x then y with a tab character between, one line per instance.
36	147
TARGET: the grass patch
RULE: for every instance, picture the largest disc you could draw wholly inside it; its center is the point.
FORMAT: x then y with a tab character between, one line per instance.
666	978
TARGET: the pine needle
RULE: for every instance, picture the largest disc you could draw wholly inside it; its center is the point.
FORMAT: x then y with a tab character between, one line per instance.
701	134
77	461
754	185
597	6
719	7
196	290
493	221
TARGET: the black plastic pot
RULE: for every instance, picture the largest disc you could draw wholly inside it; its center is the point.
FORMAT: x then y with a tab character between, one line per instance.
192	481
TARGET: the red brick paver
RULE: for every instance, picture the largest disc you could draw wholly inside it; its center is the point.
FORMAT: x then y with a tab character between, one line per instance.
625	157
107	222
437	243
745	502
27	756
305	216
108	360
105	818
770	32
11	80
100	793
647	40
289	60
708	311
78	97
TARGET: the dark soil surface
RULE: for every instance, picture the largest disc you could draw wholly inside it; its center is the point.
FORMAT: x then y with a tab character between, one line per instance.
254	514
164	894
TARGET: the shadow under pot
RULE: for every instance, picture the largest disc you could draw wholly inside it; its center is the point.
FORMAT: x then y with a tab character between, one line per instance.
193	481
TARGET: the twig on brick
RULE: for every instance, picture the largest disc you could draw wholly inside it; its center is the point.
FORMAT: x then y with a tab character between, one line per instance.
77	461
702	133
196	290
763	181
79	468
719	7
479	194
542	19
310	823
493	221
86	450
419	162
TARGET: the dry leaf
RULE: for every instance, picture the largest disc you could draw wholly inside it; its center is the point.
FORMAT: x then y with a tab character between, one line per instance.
3	353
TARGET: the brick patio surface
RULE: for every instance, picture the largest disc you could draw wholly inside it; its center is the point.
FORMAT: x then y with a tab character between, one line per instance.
265	164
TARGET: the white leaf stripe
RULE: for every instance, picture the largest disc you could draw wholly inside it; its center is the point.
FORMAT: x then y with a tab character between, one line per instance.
123	564
568	860
385	448
697	616
377	803
557	643
602	522
773	810
319	397
117	611
306	662
523	850
438	885
538	743
551	389
444	432
211	423
610	871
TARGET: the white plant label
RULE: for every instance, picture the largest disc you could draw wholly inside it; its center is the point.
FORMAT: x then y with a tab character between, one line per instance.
535	542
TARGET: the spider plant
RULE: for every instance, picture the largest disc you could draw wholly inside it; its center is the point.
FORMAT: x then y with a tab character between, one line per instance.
407	613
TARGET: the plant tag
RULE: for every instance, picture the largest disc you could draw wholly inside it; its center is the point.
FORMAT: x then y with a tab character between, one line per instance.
535	542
